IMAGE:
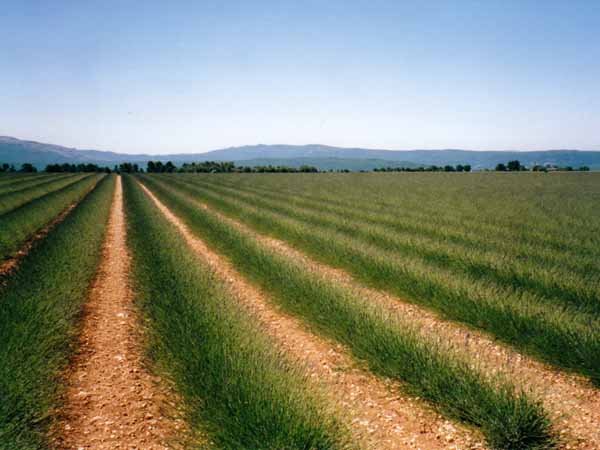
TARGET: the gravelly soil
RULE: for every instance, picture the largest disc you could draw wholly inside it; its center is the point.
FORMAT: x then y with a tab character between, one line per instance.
112	401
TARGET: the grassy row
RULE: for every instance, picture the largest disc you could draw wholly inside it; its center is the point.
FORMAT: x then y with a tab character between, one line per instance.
550	283
29	182
560	336
527	212
244	393
19	224
438	225
18	178
39	308
12	200
390	347
40	180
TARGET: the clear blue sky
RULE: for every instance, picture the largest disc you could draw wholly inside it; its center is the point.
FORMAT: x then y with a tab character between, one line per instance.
159	76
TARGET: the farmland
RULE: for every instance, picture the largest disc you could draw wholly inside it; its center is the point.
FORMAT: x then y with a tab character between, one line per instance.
326	311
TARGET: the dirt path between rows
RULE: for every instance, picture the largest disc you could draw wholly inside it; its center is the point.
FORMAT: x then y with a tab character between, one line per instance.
572	401
111	401
380	415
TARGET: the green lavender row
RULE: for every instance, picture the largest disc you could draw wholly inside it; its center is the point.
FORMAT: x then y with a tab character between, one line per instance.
39	310
509	419
239	389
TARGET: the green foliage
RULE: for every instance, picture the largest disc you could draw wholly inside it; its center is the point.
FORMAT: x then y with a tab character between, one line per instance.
28	168
540	305
390	347
4	167
19	224
159	167
223	167
58	168
128	168
514	166
12	183
39	309
200	167
18	197
433	168
243	392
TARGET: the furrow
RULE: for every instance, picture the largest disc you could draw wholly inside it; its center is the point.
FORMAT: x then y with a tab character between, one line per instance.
111	400
380	416
558	335
573	402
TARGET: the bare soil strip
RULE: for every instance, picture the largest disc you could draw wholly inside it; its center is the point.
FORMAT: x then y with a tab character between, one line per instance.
381	416
572	401
9	265
111	401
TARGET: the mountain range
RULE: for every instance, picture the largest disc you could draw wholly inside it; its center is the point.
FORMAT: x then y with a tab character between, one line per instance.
17	151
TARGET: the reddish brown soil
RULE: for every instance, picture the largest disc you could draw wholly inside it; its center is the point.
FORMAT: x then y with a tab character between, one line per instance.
380	415
112	401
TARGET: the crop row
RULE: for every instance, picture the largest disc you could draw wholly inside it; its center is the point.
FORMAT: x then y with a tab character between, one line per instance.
25	183
519	218
14	199
549	282
40	305
7	181
390	347
422	214
19	224
242	392
560	335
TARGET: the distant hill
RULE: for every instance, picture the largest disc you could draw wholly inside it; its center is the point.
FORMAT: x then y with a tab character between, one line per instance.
16	151
353	164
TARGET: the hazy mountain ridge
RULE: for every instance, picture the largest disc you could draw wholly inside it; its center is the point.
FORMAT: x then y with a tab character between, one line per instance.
16	151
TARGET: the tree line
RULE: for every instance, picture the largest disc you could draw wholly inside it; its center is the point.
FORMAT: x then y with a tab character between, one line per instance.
516	166
230	167
222	167
447	168
10	168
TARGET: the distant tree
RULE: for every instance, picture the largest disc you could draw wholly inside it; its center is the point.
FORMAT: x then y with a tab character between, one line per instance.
449	168
460	168
500	168
27	167
584	169
467	167
308	169
128	168
514	166
75	168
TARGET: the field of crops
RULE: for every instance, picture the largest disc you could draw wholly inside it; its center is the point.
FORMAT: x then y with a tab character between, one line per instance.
300	311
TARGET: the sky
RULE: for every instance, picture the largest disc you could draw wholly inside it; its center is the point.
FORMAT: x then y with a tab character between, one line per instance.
166	77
